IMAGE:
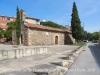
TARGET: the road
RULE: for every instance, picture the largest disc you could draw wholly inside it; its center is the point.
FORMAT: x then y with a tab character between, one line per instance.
88	62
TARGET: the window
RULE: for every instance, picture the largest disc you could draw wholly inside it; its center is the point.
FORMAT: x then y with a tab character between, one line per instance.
9	18
3	18
8	23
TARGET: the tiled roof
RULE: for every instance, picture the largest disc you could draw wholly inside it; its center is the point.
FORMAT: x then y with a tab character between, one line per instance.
45	28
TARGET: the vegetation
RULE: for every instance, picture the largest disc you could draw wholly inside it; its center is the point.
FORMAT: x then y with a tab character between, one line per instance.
85	35
95	36
90	36
76	24
11	26
78	32
18	26
80	43
2	33
53	24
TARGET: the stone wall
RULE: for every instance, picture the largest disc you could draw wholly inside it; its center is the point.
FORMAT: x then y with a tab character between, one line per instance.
14	42
22	52
72	39
24	35
33	36
69	39
44	37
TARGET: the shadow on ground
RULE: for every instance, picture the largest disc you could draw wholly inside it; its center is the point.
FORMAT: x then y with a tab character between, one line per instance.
95	50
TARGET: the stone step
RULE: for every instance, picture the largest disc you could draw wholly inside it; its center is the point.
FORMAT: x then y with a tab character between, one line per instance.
65	58
61	63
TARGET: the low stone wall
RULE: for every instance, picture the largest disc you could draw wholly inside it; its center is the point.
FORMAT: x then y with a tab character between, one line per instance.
17	53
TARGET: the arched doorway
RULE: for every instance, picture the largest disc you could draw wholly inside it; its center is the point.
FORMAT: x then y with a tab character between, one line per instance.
56	40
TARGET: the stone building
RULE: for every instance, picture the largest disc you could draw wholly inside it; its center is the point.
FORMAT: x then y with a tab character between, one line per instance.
33	34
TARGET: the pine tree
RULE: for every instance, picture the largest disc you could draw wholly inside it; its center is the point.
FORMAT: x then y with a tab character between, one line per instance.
75	23
18	26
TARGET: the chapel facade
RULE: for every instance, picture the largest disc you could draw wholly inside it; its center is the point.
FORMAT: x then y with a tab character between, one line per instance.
32	33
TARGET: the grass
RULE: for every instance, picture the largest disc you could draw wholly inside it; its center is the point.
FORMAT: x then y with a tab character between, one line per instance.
80	43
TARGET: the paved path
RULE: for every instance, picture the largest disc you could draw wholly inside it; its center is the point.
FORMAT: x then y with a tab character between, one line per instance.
22	65
88	62
53	48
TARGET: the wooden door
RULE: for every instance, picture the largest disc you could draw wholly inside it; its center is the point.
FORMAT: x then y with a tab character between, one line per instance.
56	40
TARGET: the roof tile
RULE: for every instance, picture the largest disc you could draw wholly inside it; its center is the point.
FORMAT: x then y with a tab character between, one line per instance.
45	27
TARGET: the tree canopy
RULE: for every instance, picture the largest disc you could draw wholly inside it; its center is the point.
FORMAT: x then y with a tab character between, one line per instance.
95	36
11	26
75	23
53	24
2	33
18	25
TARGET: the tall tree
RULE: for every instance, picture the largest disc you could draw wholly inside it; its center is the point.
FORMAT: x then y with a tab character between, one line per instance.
18	25
75	23
82	33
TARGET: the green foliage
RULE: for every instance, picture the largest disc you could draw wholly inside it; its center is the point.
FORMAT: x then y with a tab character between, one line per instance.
11	26
95	36
53	24
2	33
85	35
75	23
82	34
89	36
80	43
18	26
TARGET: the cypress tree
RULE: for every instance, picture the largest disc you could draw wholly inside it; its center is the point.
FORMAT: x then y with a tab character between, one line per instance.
18	26
75	23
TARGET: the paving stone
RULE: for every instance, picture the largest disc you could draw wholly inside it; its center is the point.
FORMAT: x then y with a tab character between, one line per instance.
40	61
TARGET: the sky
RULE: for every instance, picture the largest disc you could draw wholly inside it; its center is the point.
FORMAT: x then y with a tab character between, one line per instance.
58	11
